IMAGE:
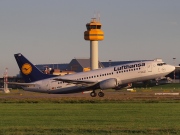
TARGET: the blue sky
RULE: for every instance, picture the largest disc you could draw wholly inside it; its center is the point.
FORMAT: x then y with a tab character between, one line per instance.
52	31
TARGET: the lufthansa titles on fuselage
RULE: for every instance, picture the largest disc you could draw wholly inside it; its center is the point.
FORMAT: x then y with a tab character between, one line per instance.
129	66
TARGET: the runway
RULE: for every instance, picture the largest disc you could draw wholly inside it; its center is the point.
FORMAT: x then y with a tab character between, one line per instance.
109	95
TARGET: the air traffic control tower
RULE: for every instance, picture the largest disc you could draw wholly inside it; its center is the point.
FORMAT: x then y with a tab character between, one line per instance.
94	34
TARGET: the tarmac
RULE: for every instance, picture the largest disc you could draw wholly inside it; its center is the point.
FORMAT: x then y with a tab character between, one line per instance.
117	95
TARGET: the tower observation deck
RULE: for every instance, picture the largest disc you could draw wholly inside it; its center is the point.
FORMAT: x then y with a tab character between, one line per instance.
94	34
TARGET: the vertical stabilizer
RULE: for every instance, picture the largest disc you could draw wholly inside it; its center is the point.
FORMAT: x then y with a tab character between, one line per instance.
29	72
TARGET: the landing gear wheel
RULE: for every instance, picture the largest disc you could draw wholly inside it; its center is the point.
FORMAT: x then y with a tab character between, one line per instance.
101	94
93	94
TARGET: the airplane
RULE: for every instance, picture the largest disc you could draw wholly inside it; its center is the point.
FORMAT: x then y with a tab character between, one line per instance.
105	78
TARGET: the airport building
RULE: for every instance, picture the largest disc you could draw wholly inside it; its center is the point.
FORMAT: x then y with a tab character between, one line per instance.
78	65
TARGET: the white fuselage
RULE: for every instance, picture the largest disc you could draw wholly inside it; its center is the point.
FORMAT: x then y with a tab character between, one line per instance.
126	73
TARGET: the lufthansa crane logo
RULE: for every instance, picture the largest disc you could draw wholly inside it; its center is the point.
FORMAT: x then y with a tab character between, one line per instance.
26	68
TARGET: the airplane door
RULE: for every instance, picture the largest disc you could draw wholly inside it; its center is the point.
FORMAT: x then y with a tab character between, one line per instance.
149	68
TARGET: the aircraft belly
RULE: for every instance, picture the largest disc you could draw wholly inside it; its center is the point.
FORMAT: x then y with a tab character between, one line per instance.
34	90
73	89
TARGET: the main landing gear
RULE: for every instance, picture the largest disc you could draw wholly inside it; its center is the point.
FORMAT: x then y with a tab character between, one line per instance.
94	94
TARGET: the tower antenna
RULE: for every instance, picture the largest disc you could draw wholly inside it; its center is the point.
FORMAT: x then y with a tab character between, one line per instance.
94	14
99	16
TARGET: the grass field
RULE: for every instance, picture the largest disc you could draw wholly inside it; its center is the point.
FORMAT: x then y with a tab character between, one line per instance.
118	113
127	118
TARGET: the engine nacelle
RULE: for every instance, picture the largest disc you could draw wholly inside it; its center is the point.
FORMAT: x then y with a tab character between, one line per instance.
108	84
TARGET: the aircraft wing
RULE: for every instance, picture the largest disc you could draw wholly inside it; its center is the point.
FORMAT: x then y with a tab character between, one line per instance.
77	82
21	84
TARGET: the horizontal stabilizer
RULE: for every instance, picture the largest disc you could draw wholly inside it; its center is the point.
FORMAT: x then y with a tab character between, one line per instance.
21	84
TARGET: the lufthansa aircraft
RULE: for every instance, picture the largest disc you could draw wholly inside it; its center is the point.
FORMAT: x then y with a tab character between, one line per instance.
105	78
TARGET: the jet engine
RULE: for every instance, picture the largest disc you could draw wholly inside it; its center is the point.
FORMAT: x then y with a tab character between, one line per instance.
108	84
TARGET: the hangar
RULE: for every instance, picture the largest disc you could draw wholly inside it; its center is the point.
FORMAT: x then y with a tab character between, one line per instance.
80	65
83	65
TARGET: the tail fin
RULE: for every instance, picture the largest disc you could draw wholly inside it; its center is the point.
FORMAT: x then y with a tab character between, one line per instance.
29	72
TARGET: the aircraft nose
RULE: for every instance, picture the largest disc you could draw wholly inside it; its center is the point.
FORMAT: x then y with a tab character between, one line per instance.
172	68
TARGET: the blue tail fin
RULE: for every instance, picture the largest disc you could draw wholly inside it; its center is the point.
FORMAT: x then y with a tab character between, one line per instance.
29	72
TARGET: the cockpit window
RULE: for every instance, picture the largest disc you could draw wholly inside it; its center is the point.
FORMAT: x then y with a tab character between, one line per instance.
161	64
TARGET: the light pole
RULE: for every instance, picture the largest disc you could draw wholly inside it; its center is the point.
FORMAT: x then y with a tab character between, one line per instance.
109	63
175	69
6	89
